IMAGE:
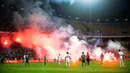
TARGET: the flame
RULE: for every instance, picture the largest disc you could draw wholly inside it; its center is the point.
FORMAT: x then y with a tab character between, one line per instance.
5	42
109	57
18	39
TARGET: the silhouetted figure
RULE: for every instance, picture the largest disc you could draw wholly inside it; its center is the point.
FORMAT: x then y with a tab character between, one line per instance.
87	58
102	58
1	59
45	60
59	59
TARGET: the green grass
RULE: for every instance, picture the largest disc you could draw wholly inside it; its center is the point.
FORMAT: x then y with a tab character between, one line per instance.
94	67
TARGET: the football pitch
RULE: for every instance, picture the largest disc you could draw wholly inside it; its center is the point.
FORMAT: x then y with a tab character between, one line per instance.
53	67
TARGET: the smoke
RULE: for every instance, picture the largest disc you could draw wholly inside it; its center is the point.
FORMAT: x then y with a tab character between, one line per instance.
63	1
43	30
52	35
77	47
114	45
18	20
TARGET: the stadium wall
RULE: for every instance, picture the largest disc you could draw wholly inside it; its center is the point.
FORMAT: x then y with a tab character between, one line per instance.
31	61
36	61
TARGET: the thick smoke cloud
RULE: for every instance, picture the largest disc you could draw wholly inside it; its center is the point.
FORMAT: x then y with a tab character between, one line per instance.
46	31
52	35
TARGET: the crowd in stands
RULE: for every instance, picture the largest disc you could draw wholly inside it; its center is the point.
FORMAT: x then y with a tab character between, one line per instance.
16	53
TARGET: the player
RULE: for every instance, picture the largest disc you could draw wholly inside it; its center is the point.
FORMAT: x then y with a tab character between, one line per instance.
121	58
59	59
45	60
27	60
24	59
87	59
83	59
102	57
67	59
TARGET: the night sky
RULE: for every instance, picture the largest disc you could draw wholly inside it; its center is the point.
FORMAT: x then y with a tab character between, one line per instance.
107	11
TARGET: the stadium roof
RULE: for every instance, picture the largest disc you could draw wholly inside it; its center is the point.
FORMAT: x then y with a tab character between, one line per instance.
98	11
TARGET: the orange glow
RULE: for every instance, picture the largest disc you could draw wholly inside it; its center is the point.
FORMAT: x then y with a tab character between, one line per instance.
34	43
110	63
73	60
75	63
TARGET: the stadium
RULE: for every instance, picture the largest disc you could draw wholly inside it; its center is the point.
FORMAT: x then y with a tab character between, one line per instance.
59	36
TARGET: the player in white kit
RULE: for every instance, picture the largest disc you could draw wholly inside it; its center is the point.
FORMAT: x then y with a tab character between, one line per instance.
121	58
59	59
67	59
24	59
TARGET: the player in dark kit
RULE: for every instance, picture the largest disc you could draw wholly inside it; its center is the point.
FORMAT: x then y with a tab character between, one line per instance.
83	59
102	57
87	59
45	60
27	60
